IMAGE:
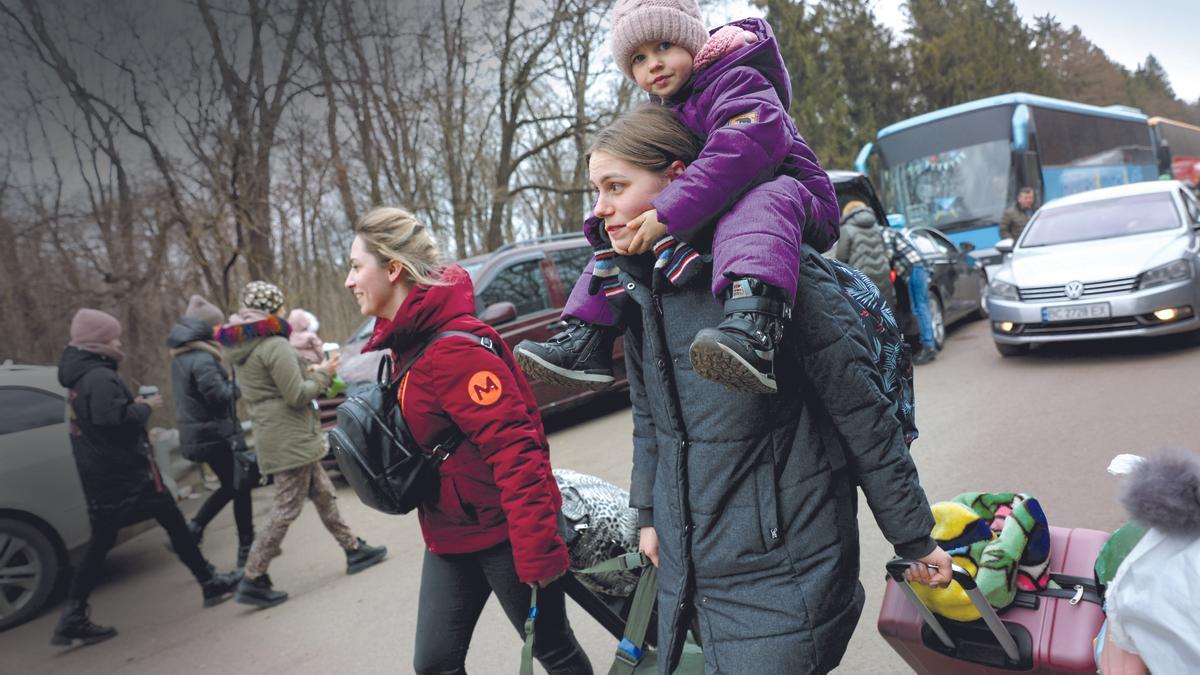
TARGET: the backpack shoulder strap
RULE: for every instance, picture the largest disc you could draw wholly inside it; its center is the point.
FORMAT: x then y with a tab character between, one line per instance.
481	340
448	445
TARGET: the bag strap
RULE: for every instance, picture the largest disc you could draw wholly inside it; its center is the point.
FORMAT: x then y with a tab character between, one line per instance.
527	649
481	340
631	647
443	450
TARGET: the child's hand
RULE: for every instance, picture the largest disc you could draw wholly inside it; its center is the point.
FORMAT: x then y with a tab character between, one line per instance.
647	230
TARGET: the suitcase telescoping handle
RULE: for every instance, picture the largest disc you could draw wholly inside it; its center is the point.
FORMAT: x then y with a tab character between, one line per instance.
896	569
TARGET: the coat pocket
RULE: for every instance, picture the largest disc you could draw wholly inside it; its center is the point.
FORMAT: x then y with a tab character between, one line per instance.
768	504
452	505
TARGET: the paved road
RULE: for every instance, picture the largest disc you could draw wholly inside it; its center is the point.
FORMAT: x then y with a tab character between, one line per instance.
1046	424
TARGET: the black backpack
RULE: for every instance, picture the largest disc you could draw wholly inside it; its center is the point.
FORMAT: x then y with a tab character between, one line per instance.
375	450
892	354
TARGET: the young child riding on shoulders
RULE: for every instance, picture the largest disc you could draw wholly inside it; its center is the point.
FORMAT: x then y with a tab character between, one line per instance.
753	195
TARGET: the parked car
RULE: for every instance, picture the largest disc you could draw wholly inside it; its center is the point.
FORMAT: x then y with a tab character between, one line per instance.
1114	262
958	284
520	289
43	513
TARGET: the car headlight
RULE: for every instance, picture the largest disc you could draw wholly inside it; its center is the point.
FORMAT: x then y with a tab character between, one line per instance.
1002	290
1177	270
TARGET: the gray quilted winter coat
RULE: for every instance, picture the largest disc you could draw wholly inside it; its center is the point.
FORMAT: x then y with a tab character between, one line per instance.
756	516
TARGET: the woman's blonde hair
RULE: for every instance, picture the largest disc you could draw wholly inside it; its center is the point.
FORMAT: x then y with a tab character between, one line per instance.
394	235
649	137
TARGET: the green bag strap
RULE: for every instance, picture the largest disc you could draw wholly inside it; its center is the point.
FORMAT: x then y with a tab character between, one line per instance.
630	649
527	650
626	561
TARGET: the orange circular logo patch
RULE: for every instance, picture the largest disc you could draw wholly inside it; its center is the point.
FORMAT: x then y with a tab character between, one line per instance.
484	388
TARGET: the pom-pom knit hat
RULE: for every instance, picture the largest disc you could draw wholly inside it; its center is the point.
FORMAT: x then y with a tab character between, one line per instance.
636	22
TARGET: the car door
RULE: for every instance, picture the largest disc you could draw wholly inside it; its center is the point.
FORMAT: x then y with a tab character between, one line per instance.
941	271
968	273
953	273
37	466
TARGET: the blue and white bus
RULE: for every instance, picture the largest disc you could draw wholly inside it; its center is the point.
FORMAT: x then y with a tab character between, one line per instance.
959	168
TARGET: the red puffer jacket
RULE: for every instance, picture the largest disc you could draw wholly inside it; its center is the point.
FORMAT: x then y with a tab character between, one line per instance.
497	485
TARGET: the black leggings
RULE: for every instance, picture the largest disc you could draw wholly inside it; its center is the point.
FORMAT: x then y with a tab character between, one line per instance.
104	535
454	589
243	514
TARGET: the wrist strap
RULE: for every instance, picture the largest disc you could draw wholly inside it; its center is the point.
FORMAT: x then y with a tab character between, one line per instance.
527	649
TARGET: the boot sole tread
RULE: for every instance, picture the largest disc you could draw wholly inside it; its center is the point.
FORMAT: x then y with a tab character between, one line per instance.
370	562
63	641
718	363
541	370
258	602
213	602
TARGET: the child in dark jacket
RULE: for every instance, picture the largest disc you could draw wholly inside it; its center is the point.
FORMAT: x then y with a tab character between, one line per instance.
755	193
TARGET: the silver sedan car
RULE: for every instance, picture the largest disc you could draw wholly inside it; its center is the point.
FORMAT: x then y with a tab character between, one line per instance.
1114	262
43	514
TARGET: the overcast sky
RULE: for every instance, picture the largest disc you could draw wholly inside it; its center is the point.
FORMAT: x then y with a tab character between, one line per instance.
1126	31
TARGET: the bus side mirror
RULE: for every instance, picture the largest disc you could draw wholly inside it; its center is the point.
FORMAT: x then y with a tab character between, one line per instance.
1005	246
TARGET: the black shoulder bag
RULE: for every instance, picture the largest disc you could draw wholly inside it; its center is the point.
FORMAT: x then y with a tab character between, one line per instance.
375	450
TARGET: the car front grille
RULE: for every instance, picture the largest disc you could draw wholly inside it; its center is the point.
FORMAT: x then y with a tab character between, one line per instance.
1092	289
1081	327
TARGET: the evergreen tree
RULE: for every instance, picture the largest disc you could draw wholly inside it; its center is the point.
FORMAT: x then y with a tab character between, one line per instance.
963	50
1079	70
848	75
1149	88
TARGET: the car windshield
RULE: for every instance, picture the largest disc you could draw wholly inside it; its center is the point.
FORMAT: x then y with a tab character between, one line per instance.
1104	219
952	186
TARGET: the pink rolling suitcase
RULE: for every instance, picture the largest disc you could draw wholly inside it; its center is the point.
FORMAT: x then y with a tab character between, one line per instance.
1046	632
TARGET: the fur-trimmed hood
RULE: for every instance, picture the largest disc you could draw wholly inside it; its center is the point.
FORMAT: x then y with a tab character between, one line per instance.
1164	492
240	339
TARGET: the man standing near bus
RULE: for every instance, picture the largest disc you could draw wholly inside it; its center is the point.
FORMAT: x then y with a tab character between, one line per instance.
1015	217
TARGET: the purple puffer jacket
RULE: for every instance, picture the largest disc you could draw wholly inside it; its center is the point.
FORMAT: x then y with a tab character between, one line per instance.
750	85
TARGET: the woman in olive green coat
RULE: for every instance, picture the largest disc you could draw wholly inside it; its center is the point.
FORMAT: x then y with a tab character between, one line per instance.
280	388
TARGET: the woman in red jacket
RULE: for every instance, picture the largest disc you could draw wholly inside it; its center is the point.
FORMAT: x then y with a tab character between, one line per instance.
494	525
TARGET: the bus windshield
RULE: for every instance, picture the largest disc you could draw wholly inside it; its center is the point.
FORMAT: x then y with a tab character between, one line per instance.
960	185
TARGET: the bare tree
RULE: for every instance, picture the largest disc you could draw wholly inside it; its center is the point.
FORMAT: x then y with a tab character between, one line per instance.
256	106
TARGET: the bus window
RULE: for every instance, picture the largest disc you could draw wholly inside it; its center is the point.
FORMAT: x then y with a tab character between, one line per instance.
1086	152
1182	147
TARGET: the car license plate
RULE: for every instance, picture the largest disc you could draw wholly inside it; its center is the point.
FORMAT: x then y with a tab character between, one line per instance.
1099	310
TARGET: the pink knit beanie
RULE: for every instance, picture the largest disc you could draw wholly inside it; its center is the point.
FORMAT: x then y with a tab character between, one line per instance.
635	22
91	326
93	330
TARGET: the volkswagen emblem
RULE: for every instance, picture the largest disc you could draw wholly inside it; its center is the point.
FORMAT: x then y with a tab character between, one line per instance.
1074	290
